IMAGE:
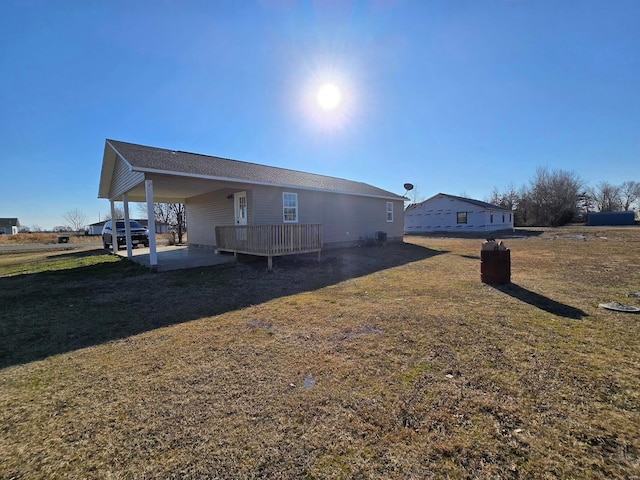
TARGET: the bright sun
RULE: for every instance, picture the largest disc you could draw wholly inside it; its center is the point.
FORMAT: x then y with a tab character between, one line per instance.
329	97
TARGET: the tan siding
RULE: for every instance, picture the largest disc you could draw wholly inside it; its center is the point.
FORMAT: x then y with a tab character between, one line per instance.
344	218
123	180
347	218
267	205
205	212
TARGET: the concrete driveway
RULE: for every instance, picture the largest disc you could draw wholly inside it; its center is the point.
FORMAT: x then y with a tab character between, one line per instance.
177	257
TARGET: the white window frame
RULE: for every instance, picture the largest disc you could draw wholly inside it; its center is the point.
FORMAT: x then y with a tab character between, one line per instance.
389	212
285	206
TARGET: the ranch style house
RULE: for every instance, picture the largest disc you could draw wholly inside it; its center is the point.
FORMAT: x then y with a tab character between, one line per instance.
249	208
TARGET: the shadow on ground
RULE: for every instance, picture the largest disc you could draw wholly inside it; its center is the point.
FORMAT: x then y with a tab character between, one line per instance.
500	234
79	254
541	302
63	310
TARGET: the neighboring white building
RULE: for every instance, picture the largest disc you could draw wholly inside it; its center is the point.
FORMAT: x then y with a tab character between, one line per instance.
95	228
9	226
448	213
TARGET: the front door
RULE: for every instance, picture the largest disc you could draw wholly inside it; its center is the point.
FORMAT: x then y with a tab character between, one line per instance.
240	208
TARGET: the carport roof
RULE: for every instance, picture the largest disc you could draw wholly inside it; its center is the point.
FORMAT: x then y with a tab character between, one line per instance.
153	160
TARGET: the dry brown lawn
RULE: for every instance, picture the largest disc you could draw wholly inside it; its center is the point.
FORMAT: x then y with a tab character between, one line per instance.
378	362
44	239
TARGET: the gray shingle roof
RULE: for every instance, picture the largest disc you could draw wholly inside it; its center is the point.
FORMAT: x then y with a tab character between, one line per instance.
143	158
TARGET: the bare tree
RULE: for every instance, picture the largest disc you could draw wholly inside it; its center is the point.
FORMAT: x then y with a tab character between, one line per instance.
415	196
76	219
629	194
605	197
173	214
552	198
510	198
585	205
160	212
180	215
119	211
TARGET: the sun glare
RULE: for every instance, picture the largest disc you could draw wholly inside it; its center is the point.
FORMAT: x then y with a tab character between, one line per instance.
329	97
328	100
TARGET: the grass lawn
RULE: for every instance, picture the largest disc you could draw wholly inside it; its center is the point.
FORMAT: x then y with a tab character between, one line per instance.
377	362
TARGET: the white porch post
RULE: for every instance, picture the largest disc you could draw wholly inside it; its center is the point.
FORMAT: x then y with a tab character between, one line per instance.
127	227
114	231
153	254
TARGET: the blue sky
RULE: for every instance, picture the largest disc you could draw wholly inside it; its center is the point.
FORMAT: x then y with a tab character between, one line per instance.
453	96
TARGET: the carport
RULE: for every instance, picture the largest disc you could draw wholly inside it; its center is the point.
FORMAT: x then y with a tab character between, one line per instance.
121	181
177	257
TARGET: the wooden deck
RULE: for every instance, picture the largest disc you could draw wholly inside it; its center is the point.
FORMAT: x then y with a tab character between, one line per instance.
270	240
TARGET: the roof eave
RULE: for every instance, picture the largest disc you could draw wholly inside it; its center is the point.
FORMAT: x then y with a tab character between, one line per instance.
391	196
470	201
111	154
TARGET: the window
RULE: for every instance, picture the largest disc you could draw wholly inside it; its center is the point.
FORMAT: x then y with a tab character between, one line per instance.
290	207
503	218
389	211
491	218
462	217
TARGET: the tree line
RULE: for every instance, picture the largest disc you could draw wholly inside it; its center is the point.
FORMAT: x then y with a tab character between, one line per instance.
558	197
172	214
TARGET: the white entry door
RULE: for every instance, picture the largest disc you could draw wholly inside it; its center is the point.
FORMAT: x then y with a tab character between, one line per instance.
240	206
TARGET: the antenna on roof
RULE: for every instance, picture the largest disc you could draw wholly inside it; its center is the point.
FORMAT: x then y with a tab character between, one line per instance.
407	186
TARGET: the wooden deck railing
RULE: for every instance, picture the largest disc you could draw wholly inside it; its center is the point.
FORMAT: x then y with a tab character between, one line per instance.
270	240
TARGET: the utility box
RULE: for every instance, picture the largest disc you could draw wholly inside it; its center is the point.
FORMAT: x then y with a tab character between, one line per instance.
495	266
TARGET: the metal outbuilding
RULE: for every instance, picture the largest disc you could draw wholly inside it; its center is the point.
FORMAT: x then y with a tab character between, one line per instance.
611	218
